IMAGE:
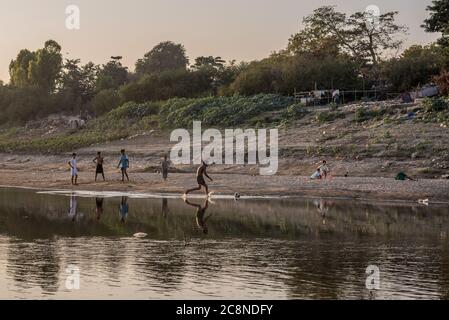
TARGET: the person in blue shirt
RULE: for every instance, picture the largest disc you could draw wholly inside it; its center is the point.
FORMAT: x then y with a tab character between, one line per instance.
124	165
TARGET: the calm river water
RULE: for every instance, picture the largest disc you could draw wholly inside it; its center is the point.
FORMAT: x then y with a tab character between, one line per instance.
252	248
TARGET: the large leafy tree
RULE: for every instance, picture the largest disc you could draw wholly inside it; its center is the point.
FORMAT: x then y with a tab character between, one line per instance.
311	41
79	81
165	56
112	75
45	70
212	64
364	36
19	68
212	68
41	68
439	20
415	66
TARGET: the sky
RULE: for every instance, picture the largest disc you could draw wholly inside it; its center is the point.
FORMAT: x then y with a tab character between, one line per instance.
243	30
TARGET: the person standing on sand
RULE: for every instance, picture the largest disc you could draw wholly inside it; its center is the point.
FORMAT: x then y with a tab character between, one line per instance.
124	165
73	170
99	168
165	167
201	172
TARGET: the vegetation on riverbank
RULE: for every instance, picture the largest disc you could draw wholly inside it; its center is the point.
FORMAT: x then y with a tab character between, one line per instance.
137	119
345	54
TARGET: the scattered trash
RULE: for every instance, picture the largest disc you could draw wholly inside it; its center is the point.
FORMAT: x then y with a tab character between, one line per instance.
140	235
424	201
428	91
411	115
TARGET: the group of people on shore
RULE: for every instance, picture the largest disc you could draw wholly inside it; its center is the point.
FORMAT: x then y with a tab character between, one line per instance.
123	165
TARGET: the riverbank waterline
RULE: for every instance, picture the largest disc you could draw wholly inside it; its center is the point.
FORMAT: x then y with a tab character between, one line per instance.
255	248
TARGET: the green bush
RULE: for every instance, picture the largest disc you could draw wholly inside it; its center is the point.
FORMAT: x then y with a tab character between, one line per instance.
435	104
363	114
326	116
295	111
105	101
221	111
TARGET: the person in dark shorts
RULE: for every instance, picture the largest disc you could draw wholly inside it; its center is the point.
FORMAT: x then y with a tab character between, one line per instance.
99	169
165	166
201	172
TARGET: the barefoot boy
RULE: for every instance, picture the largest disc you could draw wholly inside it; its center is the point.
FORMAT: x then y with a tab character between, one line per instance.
99	169
74	170
200	179
124	165
165	166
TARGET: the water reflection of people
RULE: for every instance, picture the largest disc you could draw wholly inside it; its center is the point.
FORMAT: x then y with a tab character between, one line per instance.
73	210
99	207
164	208
201	218
323	208
124	209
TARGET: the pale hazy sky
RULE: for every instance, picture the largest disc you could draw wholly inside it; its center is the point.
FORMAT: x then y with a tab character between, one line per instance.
232	29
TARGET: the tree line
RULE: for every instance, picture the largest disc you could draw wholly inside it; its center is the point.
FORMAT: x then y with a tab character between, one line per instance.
332	50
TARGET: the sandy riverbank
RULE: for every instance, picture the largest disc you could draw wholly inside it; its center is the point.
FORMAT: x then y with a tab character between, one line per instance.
56	176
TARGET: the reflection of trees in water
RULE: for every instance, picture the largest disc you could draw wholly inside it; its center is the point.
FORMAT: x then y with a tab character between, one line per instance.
358	218
162	263
32	264
166	219
327	271
113	259
444	274
206	259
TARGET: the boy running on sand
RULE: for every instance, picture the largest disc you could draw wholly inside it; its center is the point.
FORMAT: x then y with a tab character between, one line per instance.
200	179
99	169
124	165
73	170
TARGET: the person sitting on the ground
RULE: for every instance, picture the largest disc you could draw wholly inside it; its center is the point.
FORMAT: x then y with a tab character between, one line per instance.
316	175
324	169
401	176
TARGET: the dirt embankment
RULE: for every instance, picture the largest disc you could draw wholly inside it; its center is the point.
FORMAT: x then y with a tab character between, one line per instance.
370	152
